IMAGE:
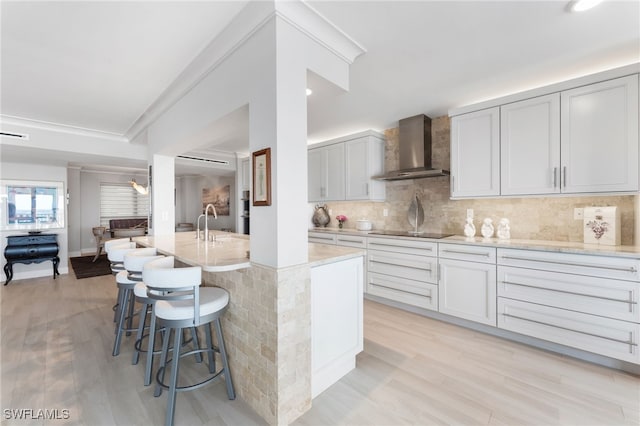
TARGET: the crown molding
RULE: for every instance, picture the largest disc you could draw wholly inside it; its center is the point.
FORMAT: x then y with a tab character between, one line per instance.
312	23
250	20
60	128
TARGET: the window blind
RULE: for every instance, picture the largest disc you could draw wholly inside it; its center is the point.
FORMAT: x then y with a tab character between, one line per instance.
119	201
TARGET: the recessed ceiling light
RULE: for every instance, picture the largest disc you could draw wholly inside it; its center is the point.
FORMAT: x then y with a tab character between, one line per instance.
582	5
309	92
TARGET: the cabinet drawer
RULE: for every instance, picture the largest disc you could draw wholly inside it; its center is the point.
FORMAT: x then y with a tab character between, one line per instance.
322	238
465	252
622	268
418	268
398	245
30	252
351	241
402	290
604	336
31	239
597	296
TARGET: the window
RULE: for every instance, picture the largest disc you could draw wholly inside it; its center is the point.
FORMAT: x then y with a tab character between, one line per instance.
31	205
119	201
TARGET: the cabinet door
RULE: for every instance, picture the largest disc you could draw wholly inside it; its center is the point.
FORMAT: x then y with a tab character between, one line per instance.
364	159
468	290
475	154
325	181
335	172
600	137
316	177
530	146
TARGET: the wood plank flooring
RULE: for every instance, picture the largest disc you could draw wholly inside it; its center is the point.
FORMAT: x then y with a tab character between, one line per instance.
57	337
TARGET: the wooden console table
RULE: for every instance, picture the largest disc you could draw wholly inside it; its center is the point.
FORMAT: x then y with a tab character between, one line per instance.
36	248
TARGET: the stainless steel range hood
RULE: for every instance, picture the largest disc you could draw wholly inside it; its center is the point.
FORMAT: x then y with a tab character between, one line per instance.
415	151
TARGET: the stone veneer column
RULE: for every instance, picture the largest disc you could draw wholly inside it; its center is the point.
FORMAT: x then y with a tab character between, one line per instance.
268	334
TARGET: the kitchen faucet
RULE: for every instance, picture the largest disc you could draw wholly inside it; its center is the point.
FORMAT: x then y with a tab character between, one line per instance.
206	222
198	226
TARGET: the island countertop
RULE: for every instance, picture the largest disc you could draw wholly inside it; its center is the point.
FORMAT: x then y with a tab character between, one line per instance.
229	251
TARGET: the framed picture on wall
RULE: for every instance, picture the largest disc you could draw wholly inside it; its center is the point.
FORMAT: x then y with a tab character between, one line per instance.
262	177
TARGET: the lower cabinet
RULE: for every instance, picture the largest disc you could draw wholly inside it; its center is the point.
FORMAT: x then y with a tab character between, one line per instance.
403	270
589	302
467	284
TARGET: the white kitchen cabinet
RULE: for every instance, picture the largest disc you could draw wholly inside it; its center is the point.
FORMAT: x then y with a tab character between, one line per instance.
600	137
403	270
322	237
364	159
336	321
530	146
326	173
467	282
475	154
589	302
342	168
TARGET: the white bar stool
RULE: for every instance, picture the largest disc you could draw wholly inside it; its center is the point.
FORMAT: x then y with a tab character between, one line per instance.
181	303
116	249
116	261
133	261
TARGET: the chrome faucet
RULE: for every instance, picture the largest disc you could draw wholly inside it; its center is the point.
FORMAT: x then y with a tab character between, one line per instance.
198	225
206	220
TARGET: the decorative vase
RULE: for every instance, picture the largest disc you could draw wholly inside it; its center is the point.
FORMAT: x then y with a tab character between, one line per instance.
487	228
469	228
320	217
340	225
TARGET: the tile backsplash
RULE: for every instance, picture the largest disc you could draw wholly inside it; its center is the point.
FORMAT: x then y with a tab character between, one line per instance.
539	218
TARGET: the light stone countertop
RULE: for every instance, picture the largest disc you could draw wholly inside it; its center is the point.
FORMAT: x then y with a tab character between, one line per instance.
543	245
322	254
229	251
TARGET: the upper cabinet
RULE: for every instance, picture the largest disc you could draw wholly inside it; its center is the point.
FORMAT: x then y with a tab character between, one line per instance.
326	179
364	159
342	169
475	154
530	146
600	137
580	138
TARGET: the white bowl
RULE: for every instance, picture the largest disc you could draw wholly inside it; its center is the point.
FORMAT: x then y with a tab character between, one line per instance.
363	225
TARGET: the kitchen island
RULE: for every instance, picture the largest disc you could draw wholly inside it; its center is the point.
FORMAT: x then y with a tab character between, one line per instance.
290	332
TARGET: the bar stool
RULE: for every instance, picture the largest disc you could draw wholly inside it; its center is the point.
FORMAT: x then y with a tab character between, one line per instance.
181	303
133	262
116	249
116	260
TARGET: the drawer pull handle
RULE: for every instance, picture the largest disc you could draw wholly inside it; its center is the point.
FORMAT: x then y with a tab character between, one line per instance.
380	246
631	269
626	342
629	302
466	252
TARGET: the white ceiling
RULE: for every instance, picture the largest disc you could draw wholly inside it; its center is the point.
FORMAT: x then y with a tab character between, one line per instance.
100	65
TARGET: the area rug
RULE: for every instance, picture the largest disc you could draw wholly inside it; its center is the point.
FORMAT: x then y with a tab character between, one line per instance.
84	267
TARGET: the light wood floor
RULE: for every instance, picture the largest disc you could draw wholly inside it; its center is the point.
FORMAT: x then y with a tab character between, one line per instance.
57	337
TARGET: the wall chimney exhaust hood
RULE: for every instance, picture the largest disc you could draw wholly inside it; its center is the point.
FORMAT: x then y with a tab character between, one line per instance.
415	151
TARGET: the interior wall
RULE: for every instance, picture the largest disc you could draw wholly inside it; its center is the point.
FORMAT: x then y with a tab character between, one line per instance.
536	218
37	172
73	212
89	201
191	197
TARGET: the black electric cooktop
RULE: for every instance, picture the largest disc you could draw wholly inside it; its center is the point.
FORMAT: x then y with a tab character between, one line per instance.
411	234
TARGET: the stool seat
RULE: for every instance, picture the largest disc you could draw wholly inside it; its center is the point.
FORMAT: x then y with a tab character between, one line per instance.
140	290
212	299
122	278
